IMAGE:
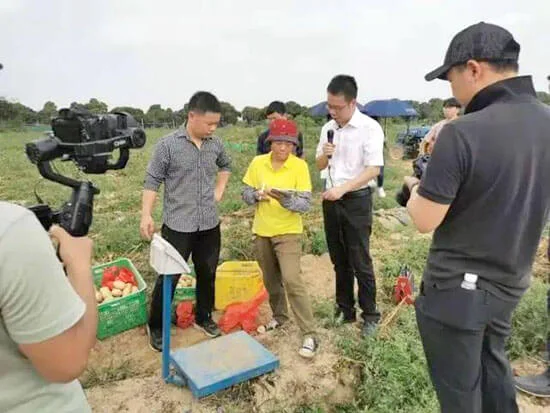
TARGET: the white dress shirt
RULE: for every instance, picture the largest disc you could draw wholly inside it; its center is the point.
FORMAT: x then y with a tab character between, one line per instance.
358	144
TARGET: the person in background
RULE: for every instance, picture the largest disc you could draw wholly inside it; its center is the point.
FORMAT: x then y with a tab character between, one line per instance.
451	111
539	384
479	180
378	183
276	110
187	162
351	161
279	185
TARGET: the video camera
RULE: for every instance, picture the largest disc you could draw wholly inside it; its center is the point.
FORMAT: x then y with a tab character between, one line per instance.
88	140
419	167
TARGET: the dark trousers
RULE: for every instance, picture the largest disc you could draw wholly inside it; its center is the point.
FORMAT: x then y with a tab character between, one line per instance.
463	333
204	247
380	178
348	224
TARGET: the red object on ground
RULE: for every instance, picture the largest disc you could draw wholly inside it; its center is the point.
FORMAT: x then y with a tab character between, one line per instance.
404	287
243	314
184	314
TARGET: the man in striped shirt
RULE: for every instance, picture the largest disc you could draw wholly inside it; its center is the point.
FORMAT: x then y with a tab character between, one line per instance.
187	162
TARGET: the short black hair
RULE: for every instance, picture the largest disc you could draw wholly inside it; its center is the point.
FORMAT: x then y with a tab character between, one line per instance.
203	102
499	66
451	102
343	85
504	65
275	107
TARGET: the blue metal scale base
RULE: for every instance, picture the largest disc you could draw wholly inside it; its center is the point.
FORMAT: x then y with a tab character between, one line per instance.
212	365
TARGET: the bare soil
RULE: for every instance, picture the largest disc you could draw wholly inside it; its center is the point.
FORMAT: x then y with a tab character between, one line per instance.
124	373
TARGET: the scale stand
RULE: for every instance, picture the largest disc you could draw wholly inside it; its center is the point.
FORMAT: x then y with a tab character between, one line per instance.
211	365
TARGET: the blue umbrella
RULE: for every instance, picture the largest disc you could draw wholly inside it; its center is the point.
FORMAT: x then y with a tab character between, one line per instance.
390	108
319	110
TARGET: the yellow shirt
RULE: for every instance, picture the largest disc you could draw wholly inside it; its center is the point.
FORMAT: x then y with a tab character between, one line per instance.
272	219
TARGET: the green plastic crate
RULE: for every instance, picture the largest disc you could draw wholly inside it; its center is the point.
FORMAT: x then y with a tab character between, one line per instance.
124	313
187	293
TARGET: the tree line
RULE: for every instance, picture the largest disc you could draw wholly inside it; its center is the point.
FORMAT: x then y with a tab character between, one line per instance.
14	114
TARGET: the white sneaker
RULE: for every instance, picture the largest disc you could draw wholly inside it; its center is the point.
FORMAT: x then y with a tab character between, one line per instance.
381	192
272	325
309	348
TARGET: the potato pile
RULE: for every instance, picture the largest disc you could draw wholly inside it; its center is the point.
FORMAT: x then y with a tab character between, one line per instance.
120	289
116	282
186	281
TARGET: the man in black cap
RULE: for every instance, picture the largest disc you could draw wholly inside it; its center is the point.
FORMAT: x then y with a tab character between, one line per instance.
485	194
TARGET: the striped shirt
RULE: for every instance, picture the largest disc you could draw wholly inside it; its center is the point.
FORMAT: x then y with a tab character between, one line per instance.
189	177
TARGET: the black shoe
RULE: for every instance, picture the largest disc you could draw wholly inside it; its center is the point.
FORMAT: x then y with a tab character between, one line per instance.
155	338
536	385
368	329
342	318
209	327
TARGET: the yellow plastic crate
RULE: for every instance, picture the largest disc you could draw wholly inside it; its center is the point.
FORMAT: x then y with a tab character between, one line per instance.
237	281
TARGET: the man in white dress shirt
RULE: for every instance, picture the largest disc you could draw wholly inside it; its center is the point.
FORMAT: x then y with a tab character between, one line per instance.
351	161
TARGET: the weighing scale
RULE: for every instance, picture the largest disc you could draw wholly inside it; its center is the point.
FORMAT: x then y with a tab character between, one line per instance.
212	365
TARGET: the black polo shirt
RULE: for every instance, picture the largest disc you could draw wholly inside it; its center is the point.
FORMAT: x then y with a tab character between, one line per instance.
493	167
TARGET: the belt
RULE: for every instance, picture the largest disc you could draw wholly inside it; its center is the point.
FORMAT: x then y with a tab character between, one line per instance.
357	194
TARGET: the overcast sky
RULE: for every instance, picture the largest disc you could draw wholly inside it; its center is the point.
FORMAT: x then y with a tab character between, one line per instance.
249	52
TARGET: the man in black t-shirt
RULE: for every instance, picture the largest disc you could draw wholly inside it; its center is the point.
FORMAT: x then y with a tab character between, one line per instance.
276	110
485	193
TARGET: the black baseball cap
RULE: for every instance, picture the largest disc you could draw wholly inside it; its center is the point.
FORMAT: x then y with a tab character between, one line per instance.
481	41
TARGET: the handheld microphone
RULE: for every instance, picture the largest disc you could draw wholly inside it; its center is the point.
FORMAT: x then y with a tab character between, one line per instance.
330	139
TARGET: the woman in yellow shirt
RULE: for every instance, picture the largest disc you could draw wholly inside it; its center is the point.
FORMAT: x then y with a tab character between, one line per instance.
278	183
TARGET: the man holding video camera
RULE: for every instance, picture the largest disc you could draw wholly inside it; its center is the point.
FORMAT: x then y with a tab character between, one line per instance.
48	321
485	193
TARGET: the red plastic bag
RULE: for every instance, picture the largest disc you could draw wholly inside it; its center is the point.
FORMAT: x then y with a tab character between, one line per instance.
243	315
184	314
404	287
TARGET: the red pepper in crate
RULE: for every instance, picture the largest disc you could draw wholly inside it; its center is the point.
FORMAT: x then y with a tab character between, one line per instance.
127	276
114	273
109	276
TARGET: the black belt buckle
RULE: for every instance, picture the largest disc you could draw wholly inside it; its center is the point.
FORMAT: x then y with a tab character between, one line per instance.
357	194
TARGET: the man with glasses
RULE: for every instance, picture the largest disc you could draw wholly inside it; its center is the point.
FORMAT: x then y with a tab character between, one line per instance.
351	151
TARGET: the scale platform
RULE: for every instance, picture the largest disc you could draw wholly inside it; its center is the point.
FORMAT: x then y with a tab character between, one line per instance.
220	363
212	365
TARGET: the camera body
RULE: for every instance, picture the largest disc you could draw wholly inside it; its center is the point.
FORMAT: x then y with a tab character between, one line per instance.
88	140
419	167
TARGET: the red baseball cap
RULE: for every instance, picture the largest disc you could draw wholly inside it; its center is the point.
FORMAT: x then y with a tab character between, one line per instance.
283	130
